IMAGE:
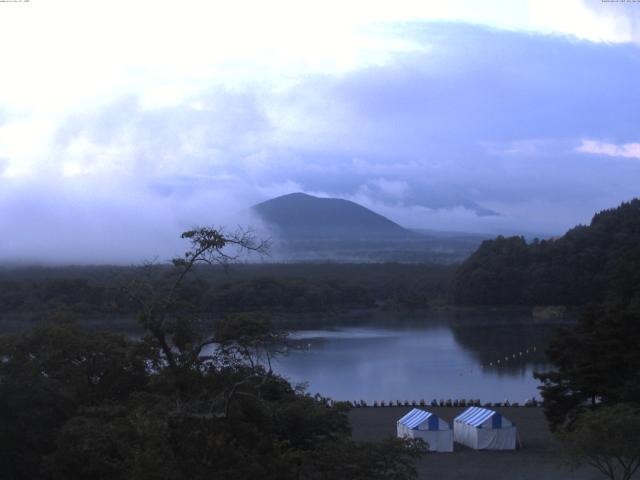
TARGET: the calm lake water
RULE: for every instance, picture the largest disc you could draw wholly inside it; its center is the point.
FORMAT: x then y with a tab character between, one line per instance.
411	362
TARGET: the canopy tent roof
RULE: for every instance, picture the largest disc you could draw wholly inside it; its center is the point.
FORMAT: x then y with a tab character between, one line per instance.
484	429
417	417
429	427
476	416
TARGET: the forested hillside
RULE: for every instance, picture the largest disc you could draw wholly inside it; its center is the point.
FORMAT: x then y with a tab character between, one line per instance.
575	269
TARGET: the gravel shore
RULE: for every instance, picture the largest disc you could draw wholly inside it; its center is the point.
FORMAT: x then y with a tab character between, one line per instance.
538	459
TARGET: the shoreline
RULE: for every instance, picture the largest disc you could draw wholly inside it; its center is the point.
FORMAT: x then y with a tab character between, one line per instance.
456	315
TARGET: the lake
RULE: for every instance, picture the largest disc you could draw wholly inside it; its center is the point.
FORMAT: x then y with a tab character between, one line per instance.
419	361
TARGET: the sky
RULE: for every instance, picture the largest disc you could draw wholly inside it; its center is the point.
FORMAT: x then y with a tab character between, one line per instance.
123	124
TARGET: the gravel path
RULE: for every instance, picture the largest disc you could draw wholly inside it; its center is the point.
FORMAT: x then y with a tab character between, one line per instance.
538	459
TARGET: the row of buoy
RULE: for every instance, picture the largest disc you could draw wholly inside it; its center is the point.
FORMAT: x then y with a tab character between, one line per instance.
514	356
529	402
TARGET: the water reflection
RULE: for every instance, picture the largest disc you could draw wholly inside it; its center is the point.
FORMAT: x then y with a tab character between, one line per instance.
412	362
506	349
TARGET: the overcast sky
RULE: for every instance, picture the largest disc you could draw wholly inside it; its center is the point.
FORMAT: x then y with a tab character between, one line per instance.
124	123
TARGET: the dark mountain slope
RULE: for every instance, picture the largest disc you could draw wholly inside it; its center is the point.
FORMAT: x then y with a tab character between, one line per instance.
579	268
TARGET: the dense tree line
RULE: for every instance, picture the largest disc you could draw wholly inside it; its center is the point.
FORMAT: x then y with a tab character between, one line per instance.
575	269
266	293
290	294
289	288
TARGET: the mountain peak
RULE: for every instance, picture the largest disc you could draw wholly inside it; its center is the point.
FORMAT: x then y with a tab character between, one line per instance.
294	195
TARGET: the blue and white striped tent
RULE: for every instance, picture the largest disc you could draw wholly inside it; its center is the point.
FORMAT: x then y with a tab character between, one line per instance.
429	427
484	429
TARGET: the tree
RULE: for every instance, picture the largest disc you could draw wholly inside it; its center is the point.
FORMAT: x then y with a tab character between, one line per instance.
597	361
183	403
162	314
592	397
47	375
607	439
248	339
391	459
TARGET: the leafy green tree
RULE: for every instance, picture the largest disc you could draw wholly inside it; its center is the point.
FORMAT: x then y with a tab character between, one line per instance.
391	459
607	439
248	339
95	444
161	309
47	375
596	362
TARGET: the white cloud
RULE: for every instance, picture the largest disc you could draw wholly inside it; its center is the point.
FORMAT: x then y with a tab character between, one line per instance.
393	189
82	219
69	56
131	114
625	150
24	144
597	21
